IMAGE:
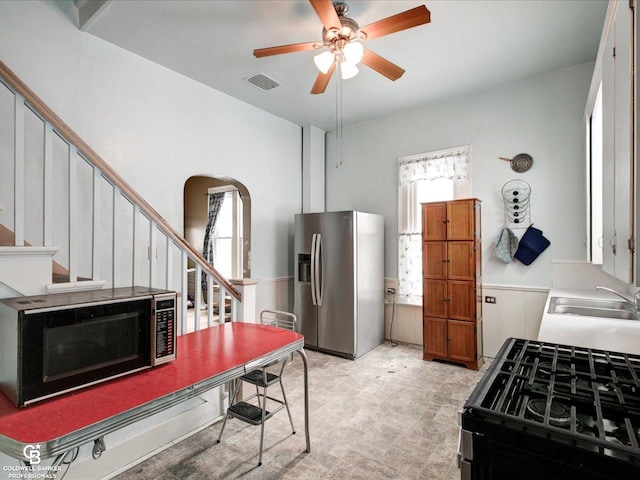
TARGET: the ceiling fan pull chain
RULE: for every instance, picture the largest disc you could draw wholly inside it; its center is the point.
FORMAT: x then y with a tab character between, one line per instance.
339	118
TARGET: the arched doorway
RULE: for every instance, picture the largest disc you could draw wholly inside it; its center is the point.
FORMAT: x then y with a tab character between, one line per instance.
234	240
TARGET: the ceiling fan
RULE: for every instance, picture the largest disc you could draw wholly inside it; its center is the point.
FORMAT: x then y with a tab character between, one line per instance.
343	38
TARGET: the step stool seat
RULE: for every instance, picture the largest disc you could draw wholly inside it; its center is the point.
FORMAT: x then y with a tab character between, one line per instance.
257	378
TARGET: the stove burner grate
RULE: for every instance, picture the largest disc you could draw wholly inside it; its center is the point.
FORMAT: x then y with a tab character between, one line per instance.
562	370
559	414
621	435
558	398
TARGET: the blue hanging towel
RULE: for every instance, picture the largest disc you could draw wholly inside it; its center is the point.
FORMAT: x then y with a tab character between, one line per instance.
531	245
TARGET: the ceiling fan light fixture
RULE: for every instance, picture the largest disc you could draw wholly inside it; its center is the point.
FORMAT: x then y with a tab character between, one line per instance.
348	70
324	61
343	38
353	52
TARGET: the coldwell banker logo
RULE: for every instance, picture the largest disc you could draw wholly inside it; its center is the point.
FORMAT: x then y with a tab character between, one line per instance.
31	468
32	453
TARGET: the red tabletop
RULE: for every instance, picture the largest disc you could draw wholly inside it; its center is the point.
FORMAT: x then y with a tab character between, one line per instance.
202	355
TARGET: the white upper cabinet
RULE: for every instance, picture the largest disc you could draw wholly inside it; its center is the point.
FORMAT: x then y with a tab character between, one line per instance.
608	155
618	126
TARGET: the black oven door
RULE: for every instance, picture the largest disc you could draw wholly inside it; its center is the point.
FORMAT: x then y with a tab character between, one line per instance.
495	452
66	349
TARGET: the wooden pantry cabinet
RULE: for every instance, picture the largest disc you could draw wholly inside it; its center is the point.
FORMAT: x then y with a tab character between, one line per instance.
452	281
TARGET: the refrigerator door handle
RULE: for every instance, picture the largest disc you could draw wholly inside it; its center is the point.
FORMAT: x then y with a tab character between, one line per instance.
318	261
314	242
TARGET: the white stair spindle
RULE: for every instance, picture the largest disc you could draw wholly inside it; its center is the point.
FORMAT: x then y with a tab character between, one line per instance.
222	309
197	297
136	222
48	186
153	256
185	290
73	214
18	190
169	266
210	300
114	236
97	225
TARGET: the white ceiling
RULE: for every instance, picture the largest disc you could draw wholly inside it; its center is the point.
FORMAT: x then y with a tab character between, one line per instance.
469	46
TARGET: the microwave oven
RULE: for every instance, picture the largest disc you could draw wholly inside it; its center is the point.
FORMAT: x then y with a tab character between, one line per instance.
56	343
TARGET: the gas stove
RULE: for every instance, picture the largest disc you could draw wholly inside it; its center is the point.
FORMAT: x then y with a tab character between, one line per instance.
544	410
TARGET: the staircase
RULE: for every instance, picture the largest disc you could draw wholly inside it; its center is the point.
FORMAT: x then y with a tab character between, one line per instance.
69	222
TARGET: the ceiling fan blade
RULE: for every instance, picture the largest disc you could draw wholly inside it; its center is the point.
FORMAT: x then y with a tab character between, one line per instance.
409	19
327	13
322	80
294	47
382	65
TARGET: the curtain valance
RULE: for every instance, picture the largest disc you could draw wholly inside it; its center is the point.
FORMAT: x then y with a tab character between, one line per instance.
451	164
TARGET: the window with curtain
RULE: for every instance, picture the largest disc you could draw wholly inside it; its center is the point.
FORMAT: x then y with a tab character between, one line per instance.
215	205
227	238
426	177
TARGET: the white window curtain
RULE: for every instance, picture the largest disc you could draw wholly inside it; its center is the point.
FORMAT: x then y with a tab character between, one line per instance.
447	164
451	164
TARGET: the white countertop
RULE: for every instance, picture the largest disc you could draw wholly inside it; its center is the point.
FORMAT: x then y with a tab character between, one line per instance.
592	332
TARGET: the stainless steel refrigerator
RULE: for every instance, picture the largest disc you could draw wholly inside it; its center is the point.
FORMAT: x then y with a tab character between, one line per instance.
339	281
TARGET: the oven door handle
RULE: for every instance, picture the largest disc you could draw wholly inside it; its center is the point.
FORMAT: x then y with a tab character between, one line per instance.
465	444
465	453
465	470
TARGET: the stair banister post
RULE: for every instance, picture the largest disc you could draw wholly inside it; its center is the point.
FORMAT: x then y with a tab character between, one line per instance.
246	310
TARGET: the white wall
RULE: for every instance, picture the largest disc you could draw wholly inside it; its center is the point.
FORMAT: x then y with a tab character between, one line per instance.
540	115
157	128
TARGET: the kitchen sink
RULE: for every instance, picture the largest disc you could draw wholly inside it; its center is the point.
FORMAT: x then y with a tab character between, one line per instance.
593	308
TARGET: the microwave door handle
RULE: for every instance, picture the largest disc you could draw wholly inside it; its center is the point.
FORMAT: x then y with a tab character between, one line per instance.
314	300
319	279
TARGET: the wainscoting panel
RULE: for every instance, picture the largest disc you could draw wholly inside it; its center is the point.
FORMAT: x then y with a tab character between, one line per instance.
407	323
516	313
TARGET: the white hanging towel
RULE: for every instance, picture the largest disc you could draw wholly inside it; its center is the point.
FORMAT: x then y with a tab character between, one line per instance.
506	245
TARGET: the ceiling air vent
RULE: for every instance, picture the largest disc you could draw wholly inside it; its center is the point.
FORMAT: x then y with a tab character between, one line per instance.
262	81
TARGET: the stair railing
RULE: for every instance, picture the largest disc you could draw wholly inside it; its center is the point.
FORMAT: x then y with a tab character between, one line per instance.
128	241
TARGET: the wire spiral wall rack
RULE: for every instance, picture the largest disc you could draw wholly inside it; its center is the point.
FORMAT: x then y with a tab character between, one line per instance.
516	196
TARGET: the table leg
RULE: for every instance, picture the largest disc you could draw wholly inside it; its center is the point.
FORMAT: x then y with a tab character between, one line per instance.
306	398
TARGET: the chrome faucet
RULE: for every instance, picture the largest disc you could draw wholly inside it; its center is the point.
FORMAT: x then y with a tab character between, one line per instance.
636	297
